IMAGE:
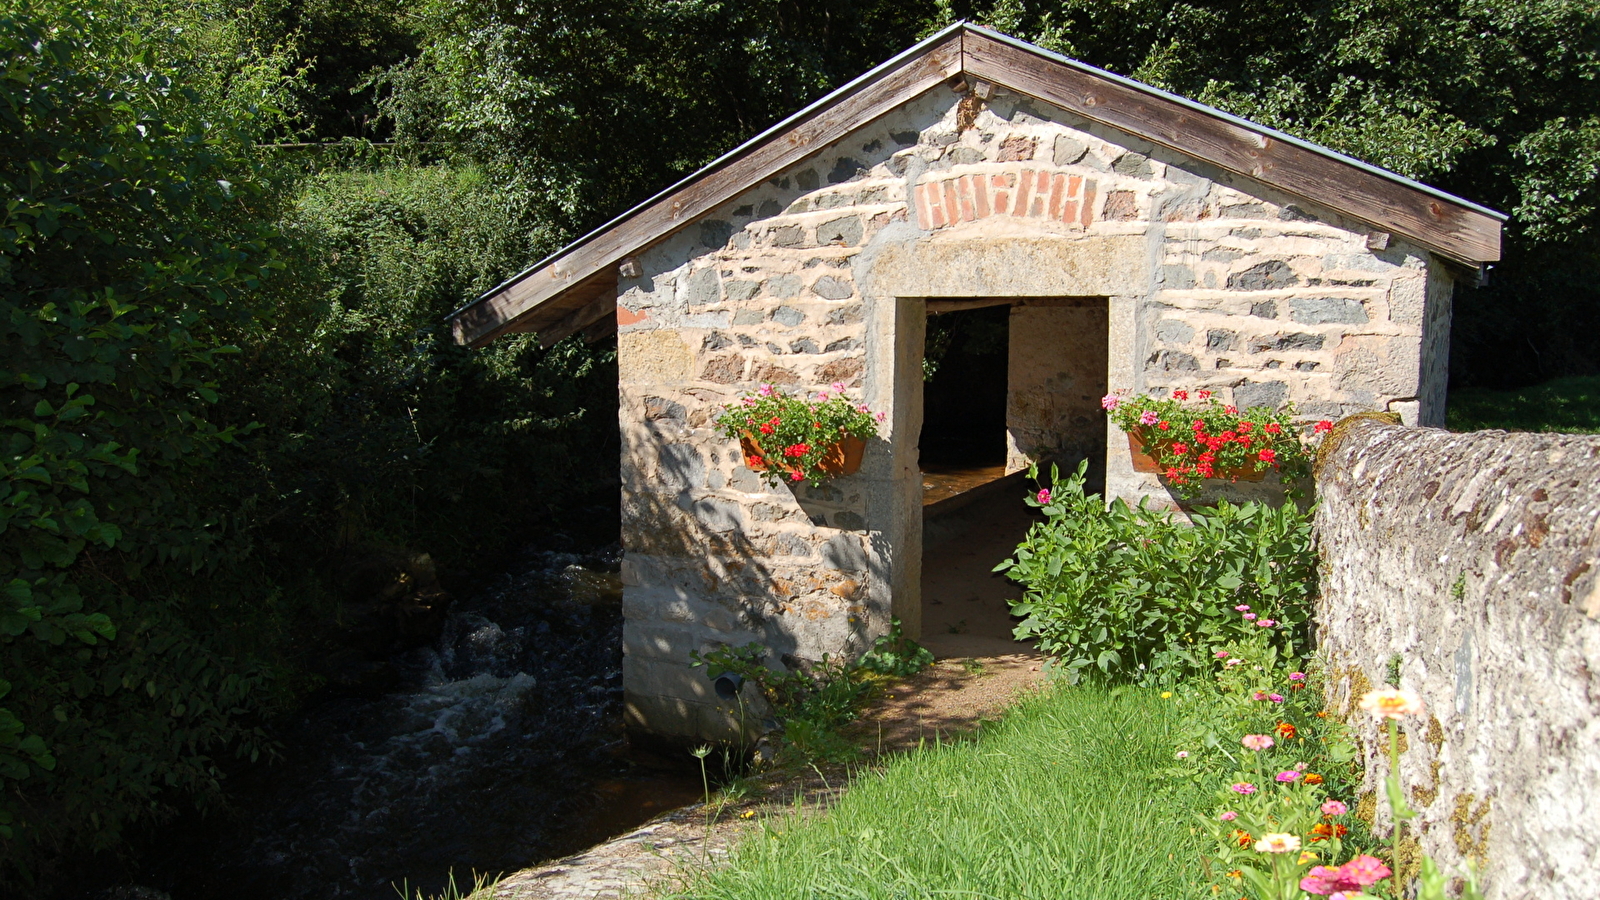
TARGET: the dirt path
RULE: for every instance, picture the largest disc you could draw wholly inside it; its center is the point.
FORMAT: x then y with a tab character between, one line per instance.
951	698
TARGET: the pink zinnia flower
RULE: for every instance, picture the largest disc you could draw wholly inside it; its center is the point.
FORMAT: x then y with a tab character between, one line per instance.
1297	676
1256	741
1275	698
1365	870
1266	623
1259	695
1228	816
1244	787
1243	607
1183	754
1334	808
1277	843
1323	880
1110	402
1043	497
1221	654
1148	417
1286	777
1249	616
1234	662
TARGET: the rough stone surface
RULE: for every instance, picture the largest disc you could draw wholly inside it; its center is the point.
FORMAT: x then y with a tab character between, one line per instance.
1471	562
1132	269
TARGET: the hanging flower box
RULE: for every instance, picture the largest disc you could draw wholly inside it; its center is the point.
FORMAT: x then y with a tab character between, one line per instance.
840	458
791	438
1188	442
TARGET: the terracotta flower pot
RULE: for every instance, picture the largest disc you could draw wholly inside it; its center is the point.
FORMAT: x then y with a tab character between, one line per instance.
844	456
1144	462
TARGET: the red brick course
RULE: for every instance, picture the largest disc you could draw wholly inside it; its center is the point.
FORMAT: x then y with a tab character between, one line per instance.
1032	193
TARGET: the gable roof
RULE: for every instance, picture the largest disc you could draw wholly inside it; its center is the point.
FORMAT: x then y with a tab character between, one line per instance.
574	289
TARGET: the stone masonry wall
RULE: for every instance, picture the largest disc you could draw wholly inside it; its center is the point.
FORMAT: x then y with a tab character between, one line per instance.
819	275
1469	565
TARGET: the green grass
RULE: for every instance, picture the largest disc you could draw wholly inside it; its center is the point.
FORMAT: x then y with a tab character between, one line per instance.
1566	405
1064	798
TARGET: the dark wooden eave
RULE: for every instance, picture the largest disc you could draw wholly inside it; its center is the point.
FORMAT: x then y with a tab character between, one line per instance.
575	289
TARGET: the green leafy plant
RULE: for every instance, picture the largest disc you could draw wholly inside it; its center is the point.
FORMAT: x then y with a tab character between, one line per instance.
1135	593
894	654
788	437
1195	439
812	702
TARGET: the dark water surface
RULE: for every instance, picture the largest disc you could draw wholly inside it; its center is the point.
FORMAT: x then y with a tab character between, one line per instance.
502	747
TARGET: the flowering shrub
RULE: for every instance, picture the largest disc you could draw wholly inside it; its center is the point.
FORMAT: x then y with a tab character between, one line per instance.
1279	771
792	437
1195	439
1134	593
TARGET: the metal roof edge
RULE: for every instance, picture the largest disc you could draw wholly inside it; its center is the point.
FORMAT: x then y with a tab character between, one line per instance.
1237	120
782	125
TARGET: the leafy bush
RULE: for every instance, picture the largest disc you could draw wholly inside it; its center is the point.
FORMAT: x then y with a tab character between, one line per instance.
1131	590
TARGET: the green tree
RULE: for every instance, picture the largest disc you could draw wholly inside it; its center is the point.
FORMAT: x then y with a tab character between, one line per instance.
1498	102
137	226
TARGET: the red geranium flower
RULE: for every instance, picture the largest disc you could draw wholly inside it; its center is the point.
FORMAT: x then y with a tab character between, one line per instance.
1323	426
1273	428
1163	426
1204	395
1181	395
766	429
1245	426
1266	456
1180	448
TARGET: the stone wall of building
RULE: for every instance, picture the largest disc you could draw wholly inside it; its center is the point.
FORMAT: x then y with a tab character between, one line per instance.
820	275
1468	565
1056	377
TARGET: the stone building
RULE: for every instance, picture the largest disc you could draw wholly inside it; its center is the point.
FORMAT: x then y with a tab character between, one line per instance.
1141	242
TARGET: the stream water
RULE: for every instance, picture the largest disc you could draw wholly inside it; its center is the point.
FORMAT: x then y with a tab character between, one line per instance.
502	747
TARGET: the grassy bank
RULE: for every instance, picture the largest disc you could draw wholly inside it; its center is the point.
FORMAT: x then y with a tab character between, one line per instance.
1066	797
1565	405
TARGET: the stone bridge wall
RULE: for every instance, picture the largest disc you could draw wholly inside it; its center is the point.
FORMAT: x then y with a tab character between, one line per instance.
1470	565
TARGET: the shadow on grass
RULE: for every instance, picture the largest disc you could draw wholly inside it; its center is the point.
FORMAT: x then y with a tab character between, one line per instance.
1565	406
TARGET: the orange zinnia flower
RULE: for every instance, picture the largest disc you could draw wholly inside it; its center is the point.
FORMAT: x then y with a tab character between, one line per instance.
1243	837
1286	730
1313	778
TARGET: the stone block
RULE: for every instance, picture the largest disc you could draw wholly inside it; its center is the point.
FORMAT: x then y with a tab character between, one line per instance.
1279	343
1272	275
661	678
845	553
1218	339
847	315
749	317
724	369
1121	206
1266	309
701	288
1068	150
1174	331
679	467
714	233
660	641
1327	310
1175	278
804	345
740	291
716	514
1133	165
783	287
833	288
846	230
1168	361
653	357
667	716
1408	300
788	316
1270	394
788	236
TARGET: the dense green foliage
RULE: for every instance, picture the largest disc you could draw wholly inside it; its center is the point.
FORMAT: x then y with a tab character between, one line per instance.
225	380
136	233
1068	796
223	377
1565	405
1136	593
1498	102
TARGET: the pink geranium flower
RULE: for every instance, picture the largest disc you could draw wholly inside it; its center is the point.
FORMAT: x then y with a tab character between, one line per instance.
1148	417
1044	497
1110	402
838	387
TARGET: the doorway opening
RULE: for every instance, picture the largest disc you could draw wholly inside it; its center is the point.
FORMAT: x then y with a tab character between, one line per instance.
1007	382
